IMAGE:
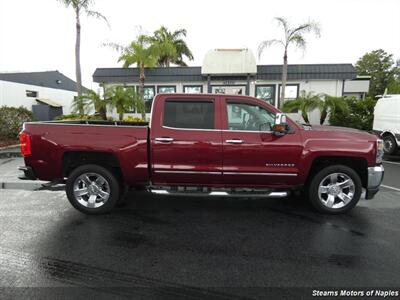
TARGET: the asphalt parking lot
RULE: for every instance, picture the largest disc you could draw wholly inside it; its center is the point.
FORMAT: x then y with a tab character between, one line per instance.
194	248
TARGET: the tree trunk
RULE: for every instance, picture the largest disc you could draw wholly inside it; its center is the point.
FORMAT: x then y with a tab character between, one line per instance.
141	90
103	113
121	114
78	56
284	78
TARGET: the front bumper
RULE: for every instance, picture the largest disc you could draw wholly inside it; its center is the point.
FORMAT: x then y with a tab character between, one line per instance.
375	177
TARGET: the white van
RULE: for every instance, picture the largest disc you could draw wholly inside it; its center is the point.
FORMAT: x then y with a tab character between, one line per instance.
387	122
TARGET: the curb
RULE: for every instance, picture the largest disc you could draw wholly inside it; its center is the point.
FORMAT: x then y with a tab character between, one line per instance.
9	147
10	151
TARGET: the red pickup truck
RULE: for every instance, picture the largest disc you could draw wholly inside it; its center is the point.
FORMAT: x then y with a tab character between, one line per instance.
204	144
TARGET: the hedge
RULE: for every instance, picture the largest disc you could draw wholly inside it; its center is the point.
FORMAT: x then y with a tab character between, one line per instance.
11	121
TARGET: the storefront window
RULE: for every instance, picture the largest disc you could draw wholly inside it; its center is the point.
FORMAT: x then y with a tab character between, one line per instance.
266	93
148	95
193	89
166	89
291	91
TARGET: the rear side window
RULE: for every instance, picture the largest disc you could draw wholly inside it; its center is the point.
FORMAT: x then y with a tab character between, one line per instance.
189	114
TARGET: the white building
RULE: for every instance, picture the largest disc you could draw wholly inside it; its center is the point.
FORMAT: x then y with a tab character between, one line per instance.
45	93
234	71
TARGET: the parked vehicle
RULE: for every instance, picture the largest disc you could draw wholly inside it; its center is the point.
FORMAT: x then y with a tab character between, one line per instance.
387	122
212	145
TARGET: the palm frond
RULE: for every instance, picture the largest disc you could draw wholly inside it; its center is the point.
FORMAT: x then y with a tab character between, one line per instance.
266	44
97	15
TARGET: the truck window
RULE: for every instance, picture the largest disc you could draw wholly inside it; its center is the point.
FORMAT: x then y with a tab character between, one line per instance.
249	117
189	114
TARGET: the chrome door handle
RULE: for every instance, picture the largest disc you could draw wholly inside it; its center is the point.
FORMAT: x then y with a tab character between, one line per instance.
234	141
164	139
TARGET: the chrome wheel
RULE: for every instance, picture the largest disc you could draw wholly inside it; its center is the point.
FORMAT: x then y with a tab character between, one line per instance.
388	145
336	190
91	190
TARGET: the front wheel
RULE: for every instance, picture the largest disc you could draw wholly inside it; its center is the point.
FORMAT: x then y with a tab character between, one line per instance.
335	189
92	189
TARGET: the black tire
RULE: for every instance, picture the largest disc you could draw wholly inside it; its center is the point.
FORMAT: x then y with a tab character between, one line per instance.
321	176
113	189
390	144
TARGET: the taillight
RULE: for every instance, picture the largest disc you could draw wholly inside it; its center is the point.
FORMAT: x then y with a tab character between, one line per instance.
25	140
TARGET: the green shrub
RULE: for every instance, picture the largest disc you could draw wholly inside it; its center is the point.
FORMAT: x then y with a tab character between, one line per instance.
360	114
74	117
12	119
133	119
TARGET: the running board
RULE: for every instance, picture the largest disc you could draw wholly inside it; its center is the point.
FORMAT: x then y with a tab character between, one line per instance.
203	191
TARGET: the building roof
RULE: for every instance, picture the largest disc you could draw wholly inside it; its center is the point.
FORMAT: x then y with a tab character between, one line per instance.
229	61
49	79
193	74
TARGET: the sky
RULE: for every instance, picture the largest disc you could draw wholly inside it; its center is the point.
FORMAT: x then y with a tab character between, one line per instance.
39	35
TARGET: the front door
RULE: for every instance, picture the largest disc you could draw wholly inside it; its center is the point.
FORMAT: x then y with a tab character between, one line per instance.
253	155
187	144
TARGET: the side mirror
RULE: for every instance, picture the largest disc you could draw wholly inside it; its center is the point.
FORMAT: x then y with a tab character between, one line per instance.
280	127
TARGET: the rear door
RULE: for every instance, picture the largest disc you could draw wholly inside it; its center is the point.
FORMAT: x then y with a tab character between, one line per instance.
186	142
253	155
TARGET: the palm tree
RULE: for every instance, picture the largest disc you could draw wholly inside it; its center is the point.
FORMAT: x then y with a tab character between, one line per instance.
93	99
292	35
144	54
80	105
330	105
123	99
80	6
305	103
172	46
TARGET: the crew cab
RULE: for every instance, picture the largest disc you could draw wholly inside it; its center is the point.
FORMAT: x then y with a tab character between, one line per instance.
204	144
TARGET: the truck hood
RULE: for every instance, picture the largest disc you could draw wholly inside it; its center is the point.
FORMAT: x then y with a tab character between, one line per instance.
336	132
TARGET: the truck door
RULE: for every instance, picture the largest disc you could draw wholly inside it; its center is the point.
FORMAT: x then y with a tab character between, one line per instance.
186	141
253	155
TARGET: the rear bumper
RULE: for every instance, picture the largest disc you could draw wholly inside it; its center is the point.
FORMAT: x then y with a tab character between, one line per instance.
28	173
375	177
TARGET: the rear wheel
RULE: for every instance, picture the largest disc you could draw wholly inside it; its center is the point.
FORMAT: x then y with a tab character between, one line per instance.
92	189
389	144
335	189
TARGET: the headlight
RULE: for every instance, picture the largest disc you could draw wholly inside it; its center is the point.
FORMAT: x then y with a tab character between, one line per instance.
379	151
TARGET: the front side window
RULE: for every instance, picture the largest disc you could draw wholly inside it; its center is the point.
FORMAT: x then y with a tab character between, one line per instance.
189	114
249	117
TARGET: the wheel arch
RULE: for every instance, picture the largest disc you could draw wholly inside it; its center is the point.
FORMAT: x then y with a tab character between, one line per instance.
358	164
73	159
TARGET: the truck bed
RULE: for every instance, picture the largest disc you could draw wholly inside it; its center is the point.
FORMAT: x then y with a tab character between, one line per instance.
55	142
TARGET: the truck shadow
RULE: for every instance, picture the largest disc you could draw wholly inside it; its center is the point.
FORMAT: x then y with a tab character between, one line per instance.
163	238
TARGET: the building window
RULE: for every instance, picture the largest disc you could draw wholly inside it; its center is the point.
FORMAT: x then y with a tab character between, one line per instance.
167	89
229	90
189	114
148	95
193	89
291	91
266	93
33	94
